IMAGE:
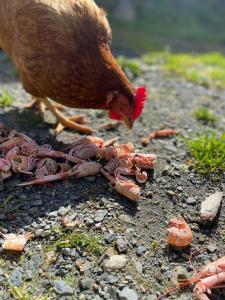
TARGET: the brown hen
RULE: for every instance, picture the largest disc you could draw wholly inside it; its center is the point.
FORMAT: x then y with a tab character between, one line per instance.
61	51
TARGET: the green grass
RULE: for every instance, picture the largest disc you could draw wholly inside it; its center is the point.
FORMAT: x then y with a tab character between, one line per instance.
208	152
205	69
204	115
84	241
6	99
21	293
131	65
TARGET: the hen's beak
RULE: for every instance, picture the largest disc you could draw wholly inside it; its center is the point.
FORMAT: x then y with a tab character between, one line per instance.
128	121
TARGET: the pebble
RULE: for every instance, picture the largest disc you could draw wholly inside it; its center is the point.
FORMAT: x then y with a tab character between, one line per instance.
16	277
165	171
138	267
126	219
191	200
111	279
140	250
127	294
152	297
64	210
171	194
53	214
39	232
38	202
32	267
121	245
89	221
86	283
116	262
100	215
62	288
181	272
211	248
69	252
109	238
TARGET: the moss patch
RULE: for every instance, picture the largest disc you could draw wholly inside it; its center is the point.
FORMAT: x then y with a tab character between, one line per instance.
84	241
205	69
6	99
208	152
204	115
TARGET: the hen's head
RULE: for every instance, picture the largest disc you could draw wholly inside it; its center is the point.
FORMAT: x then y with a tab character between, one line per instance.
125	109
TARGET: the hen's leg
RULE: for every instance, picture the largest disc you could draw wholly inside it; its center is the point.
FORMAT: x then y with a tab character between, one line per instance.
66	122
36	103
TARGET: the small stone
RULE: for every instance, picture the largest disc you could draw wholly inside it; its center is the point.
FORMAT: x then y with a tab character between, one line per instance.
179	189
100	215
38	202
140	250
111	279
53	214
39	232
210	207
86	283
109	238
128	294
181	272
152	297
32	266
138	267
62	288
171	194
16	277
191	200
89	221
211	248
149	194
165	171
121	245
126	219
116	262
64	210
134	242
69	252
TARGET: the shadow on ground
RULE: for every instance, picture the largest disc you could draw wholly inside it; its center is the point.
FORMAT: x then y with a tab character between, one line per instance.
21	206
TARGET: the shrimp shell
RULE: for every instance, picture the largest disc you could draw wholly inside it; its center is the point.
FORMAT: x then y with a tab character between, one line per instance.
15	242
180	234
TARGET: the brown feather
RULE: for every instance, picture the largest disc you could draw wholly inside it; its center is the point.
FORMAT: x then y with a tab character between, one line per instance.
60	49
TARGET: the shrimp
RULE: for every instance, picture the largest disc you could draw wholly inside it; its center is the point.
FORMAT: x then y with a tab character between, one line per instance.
209	277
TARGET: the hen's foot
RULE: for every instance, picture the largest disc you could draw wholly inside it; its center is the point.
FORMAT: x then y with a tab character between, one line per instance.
80	119
35	103
66	122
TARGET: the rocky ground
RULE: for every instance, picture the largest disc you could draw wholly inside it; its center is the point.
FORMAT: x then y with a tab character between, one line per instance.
109	224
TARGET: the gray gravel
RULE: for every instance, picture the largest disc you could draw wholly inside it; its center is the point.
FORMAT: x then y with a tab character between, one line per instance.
134	261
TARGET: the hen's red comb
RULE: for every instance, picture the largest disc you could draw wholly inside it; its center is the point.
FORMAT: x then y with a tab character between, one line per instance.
139	101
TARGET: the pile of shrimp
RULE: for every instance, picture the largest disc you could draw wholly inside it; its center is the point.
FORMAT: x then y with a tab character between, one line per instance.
88	156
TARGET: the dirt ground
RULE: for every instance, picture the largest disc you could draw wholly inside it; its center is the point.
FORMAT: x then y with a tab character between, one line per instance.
173	188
